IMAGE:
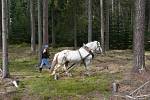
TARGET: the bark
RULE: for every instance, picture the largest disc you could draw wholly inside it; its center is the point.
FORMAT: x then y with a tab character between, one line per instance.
5	72
75	24
131	20
102	25
148	16
107	26
149	19
89	20
132	17
45	22
39	31
138	39
32	17
53	33
0	25
8	16
75	32
112	5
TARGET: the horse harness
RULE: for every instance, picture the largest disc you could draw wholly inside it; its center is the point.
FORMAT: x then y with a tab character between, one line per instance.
90	53
98	46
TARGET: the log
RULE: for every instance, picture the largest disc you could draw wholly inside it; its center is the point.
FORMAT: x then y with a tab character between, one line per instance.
139	88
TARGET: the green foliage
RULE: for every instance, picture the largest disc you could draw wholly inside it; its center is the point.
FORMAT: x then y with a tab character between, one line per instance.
19	14
121	26
121	22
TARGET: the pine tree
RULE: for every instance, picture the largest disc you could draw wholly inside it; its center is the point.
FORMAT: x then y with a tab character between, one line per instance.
32	17
45	22
138	37
39	31
5	69
89	20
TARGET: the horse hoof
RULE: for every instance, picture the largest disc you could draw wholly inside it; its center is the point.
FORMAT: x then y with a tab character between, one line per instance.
69	74
87	74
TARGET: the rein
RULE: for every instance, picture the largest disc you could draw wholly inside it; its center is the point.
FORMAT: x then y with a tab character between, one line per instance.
90	53
82	58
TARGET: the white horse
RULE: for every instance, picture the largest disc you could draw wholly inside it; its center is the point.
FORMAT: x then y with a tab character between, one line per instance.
83	54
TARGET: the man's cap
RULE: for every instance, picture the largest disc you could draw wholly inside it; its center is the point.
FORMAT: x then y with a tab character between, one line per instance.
45	46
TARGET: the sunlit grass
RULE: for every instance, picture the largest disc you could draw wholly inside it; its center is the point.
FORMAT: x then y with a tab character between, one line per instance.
22	64
46	86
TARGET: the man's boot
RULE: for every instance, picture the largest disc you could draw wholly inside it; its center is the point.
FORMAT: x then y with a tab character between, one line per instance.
40	69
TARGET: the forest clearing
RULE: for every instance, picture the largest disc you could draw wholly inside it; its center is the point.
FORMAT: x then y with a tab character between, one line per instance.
115	65
113	34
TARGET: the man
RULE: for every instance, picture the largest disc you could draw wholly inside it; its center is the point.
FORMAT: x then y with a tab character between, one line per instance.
45	58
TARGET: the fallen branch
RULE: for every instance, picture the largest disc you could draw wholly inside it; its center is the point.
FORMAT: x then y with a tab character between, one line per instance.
119	96
148	95
139	88
128	96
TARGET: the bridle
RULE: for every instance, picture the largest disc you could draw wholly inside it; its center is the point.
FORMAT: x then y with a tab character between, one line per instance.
97	47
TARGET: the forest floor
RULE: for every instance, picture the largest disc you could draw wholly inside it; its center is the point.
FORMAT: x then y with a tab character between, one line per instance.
114	66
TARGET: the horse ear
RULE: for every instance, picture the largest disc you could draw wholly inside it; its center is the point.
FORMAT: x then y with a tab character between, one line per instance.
83	44
95	41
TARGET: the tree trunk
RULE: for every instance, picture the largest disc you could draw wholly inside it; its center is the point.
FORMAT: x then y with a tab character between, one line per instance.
75	24
147	15
53	34
5	72
32	17
0	24
39	31
45	22
102	25
148	19
138	39
89	20
75	33
8	16
132	17
112	6
107	26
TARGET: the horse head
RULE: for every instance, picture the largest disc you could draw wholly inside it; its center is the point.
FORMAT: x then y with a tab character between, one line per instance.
98	48
94	46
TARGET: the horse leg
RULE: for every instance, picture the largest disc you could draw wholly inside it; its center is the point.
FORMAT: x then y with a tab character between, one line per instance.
55	68
86	64
66	69
54	72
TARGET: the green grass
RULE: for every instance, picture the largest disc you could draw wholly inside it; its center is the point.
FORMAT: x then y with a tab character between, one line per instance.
47	86
22	66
